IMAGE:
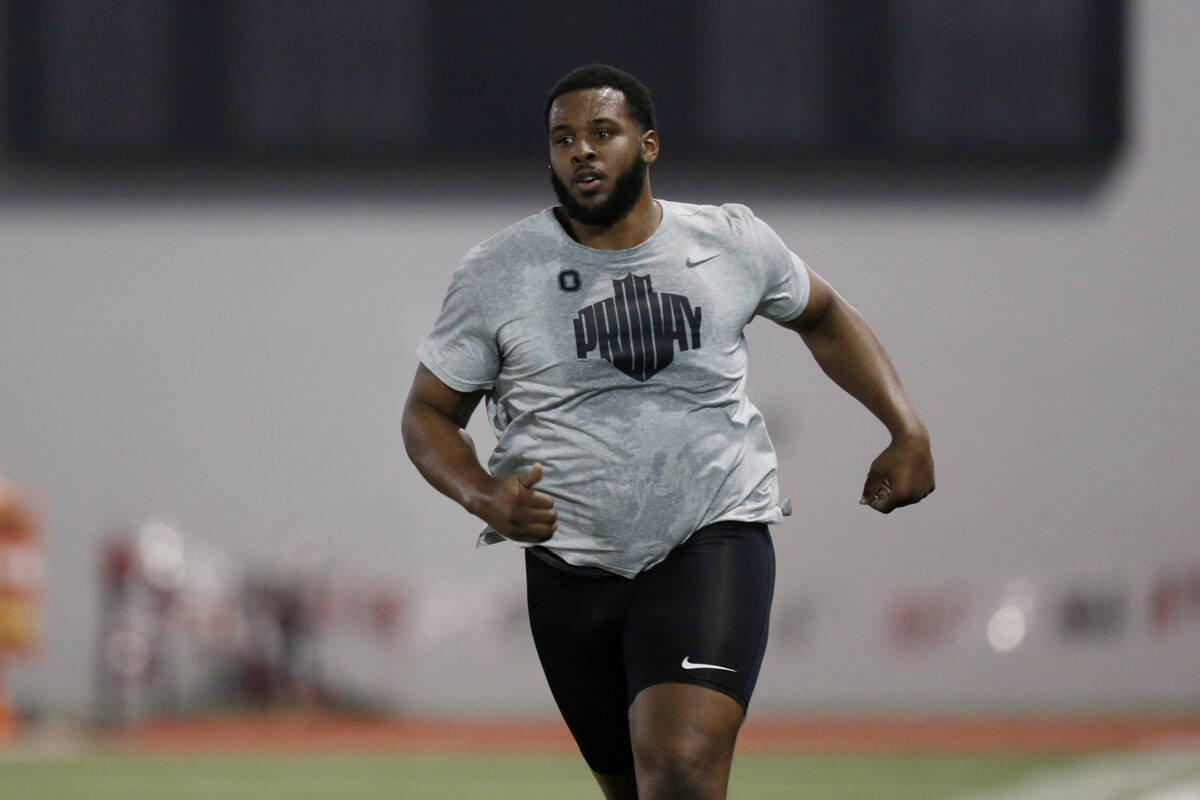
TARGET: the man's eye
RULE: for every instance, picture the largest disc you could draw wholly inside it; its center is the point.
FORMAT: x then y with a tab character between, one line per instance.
563	140
603	134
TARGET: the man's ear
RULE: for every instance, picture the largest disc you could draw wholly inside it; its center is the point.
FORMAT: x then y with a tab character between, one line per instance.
650	146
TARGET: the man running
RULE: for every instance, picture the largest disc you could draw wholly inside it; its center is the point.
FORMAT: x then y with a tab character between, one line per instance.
606	335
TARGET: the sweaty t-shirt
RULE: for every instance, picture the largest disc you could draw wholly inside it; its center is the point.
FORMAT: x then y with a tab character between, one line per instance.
623	372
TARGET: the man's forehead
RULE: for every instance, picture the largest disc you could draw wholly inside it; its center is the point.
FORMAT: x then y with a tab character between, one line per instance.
588	104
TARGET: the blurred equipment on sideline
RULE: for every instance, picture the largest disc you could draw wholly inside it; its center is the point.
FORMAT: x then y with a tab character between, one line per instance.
22	580
187	627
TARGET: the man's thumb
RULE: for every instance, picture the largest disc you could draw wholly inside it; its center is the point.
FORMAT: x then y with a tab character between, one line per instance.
877	488
530	476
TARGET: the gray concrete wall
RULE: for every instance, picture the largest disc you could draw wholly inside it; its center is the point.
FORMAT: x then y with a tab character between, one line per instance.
237	364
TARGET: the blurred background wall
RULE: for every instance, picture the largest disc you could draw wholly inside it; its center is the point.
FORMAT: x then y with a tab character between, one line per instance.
227	346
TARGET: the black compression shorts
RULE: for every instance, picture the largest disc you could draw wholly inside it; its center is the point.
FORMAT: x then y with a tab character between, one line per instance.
700	616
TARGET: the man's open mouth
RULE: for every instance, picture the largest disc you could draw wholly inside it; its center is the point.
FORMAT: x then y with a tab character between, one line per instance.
587	180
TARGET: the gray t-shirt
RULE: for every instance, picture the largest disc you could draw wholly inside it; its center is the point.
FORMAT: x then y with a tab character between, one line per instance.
624	373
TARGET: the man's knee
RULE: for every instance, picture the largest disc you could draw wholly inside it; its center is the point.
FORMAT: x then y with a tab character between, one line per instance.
683	737
692	765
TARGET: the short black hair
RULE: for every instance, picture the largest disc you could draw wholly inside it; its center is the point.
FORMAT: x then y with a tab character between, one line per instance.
597	76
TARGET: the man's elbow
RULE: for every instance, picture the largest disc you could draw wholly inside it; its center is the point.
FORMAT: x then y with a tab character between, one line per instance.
421	424
412	430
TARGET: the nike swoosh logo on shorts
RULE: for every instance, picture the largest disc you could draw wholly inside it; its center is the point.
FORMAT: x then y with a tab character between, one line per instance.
697	260
689	664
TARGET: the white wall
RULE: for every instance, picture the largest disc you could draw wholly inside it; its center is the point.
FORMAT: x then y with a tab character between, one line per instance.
239	364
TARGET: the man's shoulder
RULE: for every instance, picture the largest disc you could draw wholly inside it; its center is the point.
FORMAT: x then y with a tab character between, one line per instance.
729	219
535	232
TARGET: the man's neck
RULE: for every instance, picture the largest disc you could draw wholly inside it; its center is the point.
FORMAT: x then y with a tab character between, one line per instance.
634	228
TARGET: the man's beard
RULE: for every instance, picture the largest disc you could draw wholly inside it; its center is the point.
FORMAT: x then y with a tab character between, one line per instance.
626	190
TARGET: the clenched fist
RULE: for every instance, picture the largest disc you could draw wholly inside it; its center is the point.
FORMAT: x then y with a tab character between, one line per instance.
518	512
901	475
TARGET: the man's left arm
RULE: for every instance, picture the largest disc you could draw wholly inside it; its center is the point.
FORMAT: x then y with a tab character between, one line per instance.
846	348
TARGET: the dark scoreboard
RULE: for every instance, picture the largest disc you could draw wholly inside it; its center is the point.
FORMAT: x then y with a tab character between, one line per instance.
398	80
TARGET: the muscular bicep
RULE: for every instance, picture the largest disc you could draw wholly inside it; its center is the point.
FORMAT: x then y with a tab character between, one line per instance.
429	392
821	297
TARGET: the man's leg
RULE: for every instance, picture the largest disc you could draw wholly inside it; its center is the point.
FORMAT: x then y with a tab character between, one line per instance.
683	737
618	786
694	641
576	619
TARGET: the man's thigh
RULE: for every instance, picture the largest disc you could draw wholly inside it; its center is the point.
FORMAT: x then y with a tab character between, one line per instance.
701	615
577	622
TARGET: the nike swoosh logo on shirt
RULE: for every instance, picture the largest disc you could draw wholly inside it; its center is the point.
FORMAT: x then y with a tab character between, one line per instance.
697	260
689	664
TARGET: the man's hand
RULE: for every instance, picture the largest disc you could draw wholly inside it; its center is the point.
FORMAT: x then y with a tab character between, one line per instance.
518	512
901	475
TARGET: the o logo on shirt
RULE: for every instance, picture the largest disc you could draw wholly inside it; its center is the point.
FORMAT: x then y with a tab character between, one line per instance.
568	280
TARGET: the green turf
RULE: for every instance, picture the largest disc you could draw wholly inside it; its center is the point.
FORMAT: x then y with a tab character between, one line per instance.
850	777
412	777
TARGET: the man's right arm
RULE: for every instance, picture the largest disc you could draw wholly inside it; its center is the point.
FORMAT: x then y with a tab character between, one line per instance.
433	424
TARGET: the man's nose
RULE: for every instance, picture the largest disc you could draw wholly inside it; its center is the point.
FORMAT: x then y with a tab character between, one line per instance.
583	150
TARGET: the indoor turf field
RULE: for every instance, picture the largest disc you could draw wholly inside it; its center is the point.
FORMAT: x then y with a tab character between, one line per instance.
117	776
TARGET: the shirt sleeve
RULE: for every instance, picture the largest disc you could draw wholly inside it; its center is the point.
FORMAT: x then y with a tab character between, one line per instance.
785	292
461	350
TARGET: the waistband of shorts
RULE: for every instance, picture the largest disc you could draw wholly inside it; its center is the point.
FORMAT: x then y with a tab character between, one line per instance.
548	556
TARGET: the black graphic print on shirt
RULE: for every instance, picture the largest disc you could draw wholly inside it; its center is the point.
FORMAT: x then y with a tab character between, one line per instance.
637	329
